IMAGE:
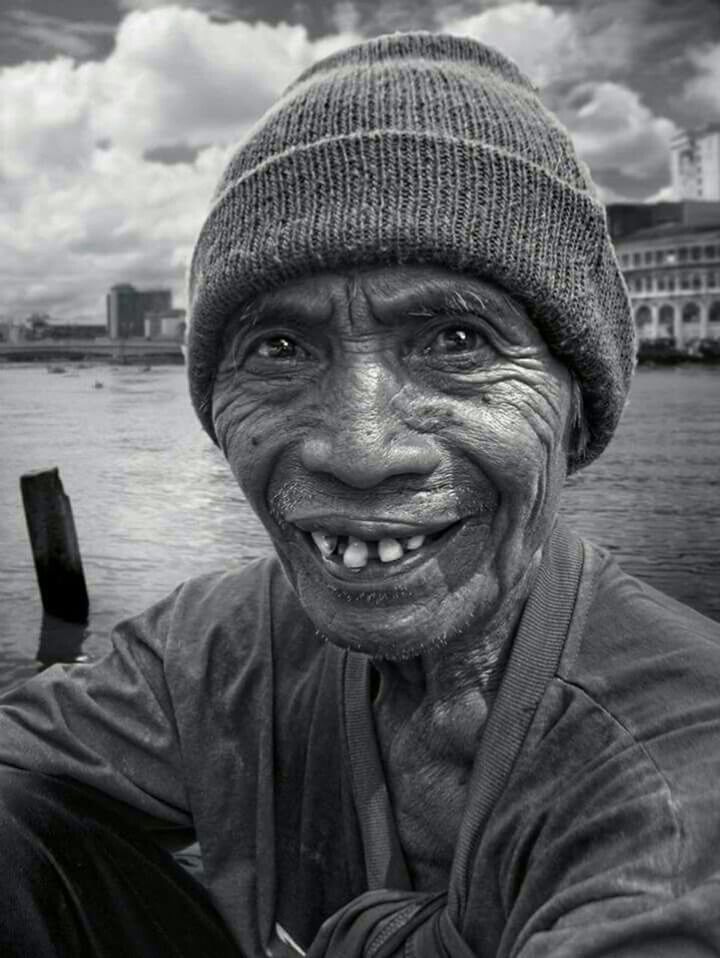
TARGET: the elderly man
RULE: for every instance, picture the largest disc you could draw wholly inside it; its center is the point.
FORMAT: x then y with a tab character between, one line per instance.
437	723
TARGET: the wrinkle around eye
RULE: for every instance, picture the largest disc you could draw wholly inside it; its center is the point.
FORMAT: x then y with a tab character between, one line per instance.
245	351
487	326
227	418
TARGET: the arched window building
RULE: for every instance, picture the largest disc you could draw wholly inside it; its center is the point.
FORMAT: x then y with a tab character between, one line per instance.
669	254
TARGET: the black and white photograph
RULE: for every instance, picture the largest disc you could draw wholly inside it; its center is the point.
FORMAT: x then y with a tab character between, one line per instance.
360	479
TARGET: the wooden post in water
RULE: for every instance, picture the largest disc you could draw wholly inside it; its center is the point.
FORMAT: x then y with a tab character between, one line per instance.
54	546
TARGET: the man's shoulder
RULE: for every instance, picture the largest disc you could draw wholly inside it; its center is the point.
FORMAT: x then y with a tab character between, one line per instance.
637	622
235	592
234	614
640	654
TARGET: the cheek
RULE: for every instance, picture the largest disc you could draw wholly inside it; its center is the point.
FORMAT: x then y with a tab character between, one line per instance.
514	446
515	437
246	434
259	438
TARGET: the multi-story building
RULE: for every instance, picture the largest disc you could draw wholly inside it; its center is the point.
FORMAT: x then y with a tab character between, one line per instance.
127	308
669	254
155	300
695	163
124	316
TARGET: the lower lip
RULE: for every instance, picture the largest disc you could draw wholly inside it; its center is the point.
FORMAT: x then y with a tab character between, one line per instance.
376	574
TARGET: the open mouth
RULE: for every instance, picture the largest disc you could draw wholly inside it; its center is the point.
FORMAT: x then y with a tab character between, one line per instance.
350	556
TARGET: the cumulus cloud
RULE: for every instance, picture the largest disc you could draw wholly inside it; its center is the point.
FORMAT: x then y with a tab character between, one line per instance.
84	201
612	129
178	76
560	49
541	40
557	45
122	219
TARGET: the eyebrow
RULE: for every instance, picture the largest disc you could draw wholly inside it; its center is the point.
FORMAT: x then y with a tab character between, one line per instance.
460	300
396	297
308	311
428	298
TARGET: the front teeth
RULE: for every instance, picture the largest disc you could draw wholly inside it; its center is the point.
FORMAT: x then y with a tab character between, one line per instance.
414	542
389	550
325	542
356	552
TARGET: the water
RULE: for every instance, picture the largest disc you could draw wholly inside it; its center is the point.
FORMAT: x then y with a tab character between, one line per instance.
154	501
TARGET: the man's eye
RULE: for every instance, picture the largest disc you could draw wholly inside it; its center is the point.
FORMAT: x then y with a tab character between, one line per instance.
456	339
278	347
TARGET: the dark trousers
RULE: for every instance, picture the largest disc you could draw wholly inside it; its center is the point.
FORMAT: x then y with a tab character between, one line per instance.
80	878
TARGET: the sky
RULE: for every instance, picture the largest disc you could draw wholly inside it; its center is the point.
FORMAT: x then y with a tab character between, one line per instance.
117	116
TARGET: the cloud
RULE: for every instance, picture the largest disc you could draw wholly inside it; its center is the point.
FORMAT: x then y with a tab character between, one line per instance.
702	92
217	8
560	49
175	77
196	81
345	17
539	39
613	130
30	33
559	46
108	166
46	118
121	218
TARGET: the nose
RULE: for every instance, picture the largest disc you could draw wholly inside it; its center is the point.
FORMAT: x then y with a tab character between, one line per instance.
362	439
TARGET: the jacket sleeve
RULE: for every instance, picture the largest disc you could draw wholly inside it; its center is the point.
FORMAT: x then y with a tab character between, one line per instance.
624	860
626	882
108	724
686	926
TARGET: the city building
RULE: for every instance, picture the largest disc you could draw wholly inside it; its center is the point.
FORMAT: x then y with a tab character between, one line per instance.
127	308
669	254
155	300
165	324
39	327
695	163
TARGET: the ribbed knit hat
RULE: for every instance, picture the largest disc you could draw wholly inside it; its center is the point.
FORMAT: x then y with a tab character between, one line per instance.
419	148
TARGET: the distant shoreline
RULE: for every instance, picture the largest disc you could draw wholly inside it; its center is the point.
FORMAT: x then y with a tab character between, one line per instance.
651	354
120	352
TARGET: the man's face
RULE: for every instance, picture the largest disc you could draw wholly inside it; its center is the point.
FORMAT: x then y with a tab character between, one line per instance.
401	433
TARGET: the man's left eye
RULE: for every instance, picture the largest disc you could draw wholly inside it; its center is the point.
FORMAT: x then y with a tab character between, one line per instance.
278	347
455	339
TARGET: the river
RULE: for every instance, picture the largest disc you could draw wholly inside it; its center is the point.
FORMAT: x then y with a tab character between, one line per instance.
154	501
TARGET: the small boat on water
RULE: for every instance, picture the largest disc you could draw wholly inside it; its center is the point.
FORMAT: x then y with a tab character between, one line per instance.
56	369
98	385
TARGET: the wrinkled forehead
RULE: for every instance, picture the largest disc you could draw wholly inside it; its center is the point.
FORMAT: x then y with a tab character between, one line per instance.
392	294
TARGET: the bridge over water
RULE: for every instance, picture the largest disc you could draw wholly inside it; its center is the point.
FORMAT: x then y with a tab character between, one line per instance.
109	350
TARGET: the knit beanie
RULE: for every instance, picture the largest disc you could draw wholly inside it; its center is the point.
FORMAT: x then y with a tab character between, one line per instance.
419	148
